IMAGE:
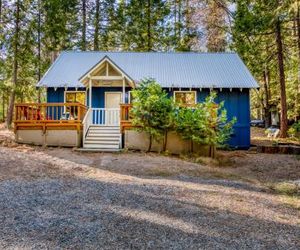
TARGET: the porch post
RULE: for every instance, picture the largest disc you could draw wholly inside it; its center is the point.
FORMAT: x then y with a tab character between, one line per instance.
90	92
123	95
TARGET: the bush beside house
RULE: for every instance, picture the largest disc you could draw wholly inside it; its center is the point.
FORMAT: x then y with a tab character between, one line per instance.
155	114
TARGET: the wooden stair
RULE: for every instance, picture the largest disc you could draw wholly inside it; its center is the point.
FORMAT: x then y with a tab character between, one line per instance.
103	138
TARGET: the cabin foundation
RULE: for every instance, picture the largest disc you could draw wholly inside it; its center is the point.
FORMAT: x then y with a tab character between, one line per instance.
135	140
63	138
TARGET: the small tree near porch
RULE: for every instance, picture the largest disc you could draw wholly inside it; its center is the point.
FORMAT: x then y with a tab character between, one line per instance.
152	111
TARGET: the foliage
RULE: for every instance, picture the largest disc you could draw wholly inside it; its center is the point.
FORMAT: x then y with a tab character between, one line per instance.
254	38
155	113
294	130
206	123
243	26
152	110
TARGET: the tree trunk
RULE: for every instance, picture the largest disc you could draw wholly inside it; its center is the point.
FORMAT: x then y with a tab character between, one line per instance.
83	42
3	105
267	112
39	48
97	21
10	109
298	43
175	20
179	20
298	33
149	37
212	151
165	140
188	24
0	11
150	143
283	113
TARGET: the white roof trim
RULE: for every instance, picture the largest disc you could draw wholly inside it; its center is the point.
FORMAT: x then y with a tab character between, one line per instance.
106	59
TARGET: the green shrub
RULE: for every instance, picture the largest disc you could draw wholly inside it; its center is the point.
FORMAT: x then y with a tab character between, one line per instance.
206	123
155	113
152	110
294	130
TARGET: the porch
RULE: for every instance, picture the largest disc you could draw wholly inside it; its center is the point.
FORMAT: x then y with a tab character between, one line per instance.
71	124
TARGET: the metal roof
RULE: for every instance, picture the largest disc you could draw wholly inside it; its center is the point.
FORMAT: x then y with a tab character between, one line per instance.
178	70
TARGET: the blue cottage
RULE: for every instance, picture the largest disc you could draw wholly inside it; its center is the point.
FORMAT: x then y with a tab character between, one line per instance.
102	81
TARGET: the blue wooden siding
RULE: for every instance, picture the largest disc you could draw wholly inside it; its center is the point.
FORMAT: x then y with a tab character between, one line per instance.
98	97
236	102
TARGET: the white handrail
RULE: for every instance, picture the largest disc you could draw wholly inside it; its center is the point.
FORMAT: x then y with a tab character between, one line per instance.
86	123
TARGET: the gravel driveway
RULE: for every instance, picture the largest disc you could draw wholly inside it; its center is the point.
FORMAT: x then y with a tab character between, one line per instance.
63	199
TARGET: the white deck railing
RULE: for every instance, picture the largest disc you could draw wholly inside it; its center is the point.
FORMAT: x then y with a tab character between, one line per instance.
105	116
101	117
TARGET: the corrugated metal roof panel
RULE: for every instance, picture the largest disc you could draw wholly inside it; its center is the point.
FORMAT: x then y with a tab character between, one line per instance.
185	70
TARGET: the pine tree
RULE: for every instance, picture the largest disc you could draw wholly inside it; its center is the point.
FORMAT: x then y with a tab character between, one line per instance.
261	34
15	45
215	23
96	25
83	39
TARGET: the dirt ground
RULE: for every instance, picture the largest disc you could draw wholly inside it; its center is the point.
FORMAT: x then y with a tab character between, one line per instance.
61	198
259	137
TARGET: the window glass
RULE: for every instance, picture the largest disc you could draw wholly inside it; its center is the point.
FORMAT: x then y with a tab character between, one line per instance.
80	97
185	97
75	97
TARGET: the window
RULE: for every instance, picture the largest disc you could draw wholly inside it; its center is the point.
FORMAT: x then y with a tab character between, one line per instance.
185	97
75	97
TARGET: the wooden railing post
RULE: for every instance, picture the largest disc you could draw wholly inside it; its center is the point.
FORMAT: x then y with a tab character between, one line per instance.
125	122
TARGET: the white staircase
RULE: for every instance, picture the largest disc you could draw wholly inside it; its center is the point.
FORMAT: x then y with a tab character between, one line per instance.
102	130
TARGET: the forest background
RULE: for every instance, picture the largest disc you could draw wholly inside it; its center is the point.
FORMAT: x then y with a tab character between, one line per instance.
265	33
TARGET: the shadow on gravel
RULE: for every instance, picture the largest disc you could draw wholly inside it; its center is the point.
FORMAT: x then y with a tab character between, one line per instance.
87	213
118	163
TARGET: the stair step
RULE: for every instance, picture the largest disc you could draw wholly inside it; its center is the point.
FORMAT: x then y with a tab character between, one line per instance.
103	132
102	142
103	135
105	127
101	146
98	149
102	138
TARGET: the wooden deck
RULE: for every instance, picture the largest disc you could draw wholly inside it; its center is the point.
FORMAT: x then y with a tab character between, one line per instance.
49	116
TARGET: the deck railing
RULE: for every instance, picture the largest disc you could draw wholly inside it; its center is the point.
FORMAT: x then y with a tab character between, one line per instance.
105	116
49	114
125	119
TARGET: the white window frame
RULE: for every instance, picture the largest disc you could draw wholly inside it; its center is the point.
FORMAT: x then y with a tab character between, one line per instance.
185	91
